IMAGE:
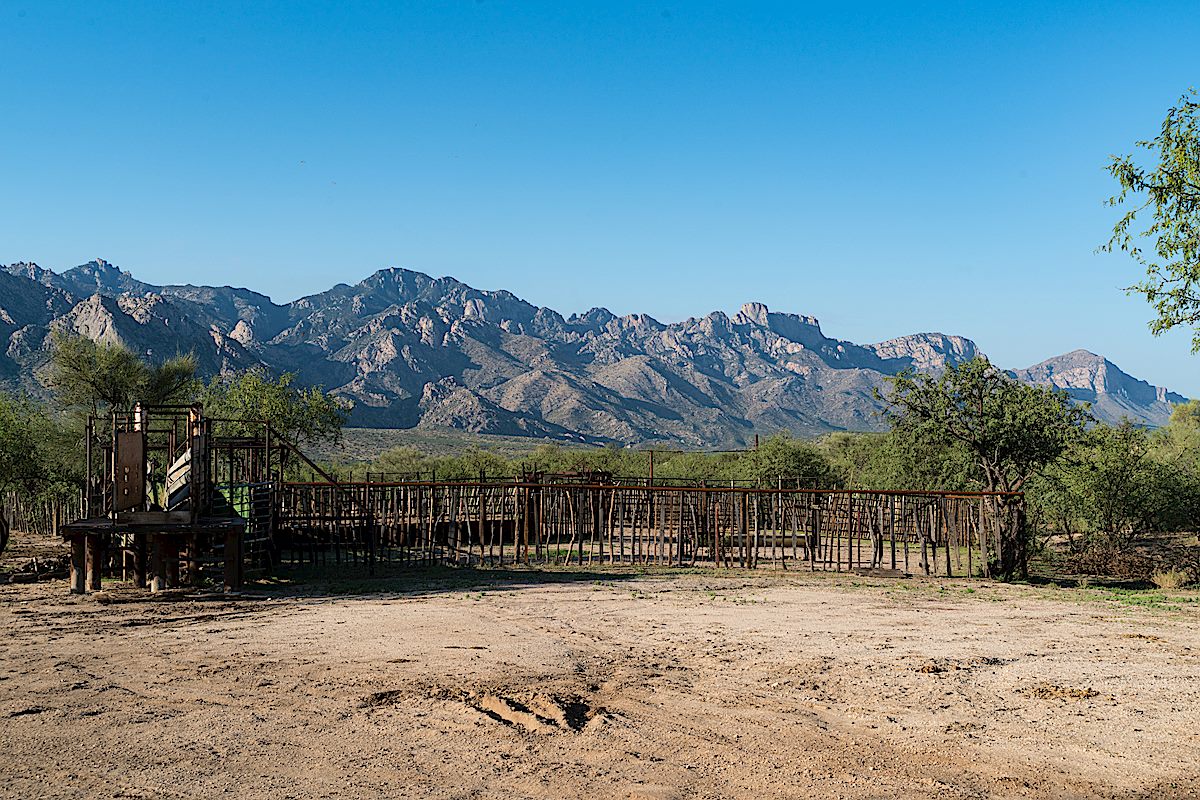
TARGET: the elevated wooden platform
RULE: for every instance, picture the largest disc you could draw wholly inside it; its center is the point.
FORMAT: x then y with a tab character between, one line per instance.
161	543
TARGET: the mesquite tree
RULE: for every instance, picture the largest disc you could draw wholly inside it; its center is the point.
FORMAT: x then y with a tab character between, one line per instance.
22	465
1162	231
1010	429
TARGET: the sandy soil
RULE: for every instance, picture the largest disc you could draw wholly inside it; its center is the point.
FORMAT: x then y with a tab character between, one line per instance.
515	685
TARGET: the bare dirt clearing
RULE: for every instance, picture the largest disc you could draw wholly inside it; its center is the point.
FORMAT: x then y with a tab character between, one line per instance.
605	684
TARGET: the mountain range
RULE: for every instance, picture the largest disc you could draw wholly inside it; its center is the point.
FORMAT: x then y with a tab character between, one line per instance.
410	350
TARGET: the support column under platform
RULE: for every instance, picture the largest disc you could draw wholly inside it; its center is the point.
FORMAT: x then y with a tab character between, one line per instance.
94	552
78	564
233	560
159	550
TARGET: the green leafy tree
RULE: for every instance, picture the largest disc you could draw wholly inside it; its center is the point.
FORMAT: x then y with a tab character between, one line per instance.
241	401
712	468
1111	484
782	456
18	454
1010	430
30	441
1161	230
401	462
1179	440
902	458
472	464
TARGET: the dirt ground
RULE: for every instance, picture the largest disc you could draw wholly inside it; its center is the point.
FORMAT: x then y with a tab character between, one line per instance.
608	684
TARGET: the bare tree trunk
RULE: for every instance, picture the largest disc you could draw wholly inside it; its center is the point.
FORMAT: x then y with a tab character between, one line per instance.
1009	520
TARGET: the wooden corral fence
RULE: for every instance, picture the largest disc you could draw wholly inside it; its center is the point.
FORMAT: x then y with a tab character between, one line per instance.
568	524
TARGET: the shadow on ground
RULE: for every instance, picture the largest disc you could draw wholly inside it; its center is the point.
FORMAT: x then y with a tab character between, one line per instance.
346	580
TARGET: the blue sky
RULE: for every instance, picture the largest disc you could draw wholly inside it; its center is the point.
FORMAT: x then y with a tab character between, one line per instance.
888	168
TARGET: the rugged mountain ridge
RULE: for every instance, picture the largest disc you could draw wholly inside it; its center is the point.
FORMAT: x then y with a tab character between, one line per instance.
1112	393
408	349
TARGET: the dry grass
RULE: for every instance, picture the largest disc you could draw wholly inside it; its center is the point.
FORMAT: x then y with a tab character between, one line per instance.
1169	579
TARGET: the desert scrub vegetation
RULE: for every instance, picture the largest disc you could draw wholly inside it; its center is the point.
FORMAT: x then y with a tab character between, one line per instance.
1170	579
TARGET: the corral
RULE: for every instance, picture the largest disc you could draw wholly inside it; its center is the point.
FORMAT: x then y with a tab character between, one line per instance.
168	495
610	522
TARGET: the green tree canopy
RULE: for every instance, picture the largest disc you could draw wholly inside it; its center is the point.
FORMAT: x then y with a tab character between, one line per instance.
782	456
1113	483
902	458
1162	228
401	463
99	375
301	415
31	446
20	444
1010	430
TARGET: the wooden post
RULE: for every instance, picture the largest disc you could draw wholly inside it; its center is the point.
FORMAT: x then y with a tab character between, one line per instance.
947	530
837	527
754	542
679	540
171	561
925	537
892	526
814	536
984	564
193	563
78	564
139	560
233	560
743	531
965	529
482	522
157	578
793	516
580	514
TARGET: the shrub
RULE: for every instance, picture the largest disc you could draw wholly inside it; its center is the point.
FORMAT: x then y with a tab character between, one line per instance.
1103	558
1169	579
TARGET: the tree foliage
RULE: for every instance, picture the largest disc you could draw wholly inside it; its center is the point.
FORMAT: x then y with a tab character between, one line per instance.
1161	230
1010	431
1112	483
782	456
21	462
101	376
778	457
301	415
902	458
31	446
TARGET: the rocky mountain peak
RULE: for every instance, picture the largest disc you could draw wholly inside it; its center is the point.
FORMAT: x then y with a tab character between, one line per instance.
595	317
409	349
100	276
30	270
752	313
1093	378
927	352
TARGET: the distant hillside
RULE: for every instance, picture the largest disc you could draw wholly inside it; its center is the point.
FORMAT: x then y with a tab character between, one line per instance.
1096	380
411	351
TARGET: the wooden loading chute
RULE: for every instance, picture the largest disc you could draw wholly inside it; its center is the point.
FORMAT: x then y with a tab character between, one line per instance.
168	498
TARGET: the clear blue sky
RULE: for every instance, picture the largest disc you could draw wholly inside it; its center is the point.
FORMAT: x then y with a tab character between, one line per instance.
888	168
